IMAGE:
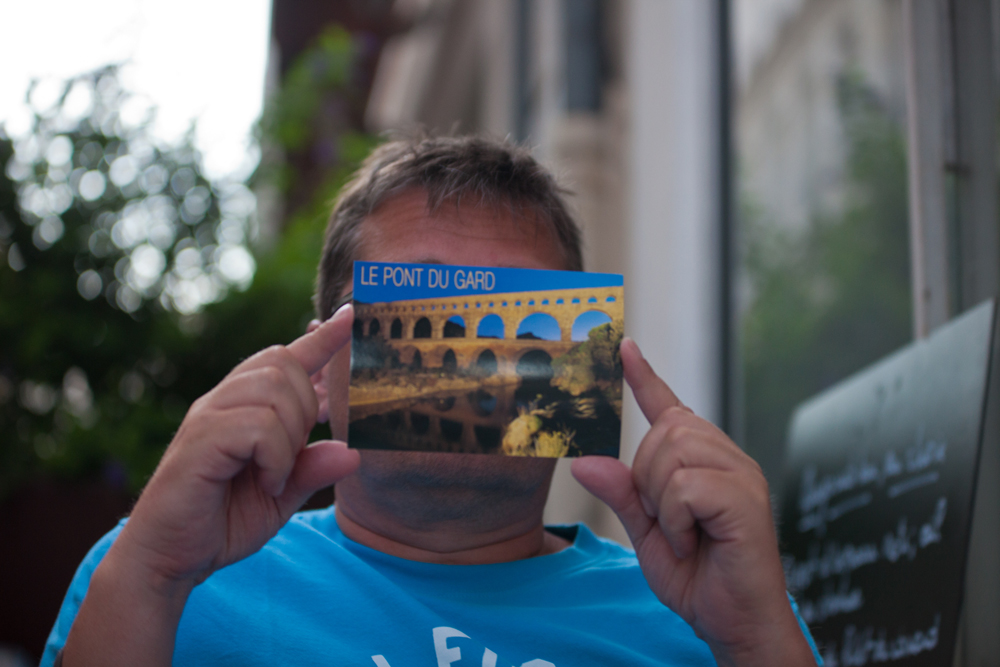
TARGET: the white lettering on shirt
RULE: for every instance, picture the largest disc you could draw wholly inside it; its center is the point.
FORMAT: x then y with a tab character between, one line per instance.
446	655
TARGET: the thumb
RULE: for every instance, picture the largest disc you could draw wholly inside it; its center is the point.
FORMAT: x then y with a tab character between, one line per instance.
611	481
318	466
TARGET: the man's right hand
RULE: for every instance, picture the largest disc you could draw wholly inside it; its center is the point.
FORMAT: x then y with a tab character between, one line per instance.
237	469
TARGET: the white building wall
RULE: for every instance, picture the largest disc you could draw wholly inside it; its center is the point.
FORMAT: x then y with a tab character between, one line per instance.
672	297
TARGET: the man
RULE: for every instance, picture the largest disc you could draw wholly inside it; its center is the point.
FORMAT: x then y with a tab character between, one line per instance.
429	557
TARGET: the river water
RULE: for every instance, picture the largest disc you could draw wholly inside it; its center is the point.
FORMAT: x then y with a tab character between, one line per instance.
476	421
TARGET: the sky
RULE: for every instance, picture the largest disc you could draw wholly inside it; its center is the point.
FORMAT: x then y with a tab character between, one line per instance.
540	325
192	59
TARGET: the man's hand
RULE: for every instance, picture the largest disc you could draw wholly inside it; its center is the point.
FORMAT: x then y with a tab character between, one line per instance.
698	512
237	469
239	466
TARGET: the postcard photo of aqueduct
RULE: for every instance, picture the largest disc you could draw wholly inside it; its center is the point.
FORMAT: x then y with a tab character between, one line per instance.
523	374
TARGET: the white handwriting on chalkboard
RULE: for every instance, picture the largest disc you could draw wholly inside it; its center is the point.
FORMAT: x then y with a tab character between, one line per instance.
818	491
930	532
925	454
897	544
818	519
913	483
835	559
843	600
901	543
861	647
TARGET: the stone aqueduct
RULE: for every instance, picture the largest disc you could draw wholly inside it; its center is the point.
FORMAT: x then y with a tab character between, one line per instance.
398	322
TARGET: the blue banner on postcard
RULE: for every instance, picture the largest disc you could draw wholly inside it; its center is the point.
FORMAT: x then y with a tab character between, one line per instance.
382	282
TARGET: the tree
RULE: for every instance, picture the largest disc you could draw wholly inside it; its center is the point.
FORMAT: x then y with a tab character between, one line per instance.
594	363
127	280
111	245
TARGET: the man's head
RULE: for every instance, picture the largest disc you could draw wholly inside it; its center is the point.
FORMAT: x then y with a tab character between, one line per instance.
447	201
456	172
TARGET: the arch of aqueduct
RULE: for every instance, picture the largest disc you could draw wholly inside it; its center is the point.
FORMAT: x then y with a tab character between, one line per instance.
564	305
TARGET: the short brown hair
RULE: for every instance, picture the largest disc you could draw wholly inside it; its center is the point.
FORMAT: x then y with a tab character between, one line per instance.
448	169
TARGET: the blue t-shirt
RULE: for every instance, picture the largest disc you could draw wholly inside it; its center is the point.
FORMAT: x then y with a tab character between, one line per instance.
312	596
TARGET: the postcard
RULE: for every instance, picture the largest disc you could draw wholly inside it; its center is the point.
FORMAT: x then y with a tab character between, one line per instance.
486	360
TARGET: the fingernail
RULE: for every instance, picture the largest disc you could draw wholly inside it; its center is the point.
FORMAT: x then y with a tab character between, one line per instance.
632	344
340	310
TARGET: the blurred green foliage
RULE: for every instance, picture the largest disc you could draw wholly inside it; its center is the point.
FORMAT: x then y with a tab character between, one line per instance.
310	139
370	354
835	298
119	304
292	120
596	362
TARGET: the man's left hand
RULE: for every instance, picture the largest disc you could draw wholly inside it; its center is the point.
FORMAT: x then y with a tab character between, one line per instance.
698	512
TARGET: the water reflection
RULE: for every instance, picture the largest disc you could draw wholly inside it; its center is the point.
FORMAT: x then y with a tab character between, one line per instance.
445	404
477	421
420	423
484	402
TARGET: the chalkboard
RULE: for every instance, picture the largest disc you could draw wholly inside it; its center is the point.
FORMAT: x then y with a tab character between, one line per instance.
879	484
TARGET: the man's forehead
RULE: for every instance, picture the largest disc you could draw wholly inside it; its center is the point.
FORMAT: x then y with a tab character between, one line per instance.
464	215
405	226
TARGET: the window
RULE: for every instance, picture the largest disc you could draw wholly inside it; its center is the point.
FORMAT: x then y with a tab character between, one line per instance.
819	121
